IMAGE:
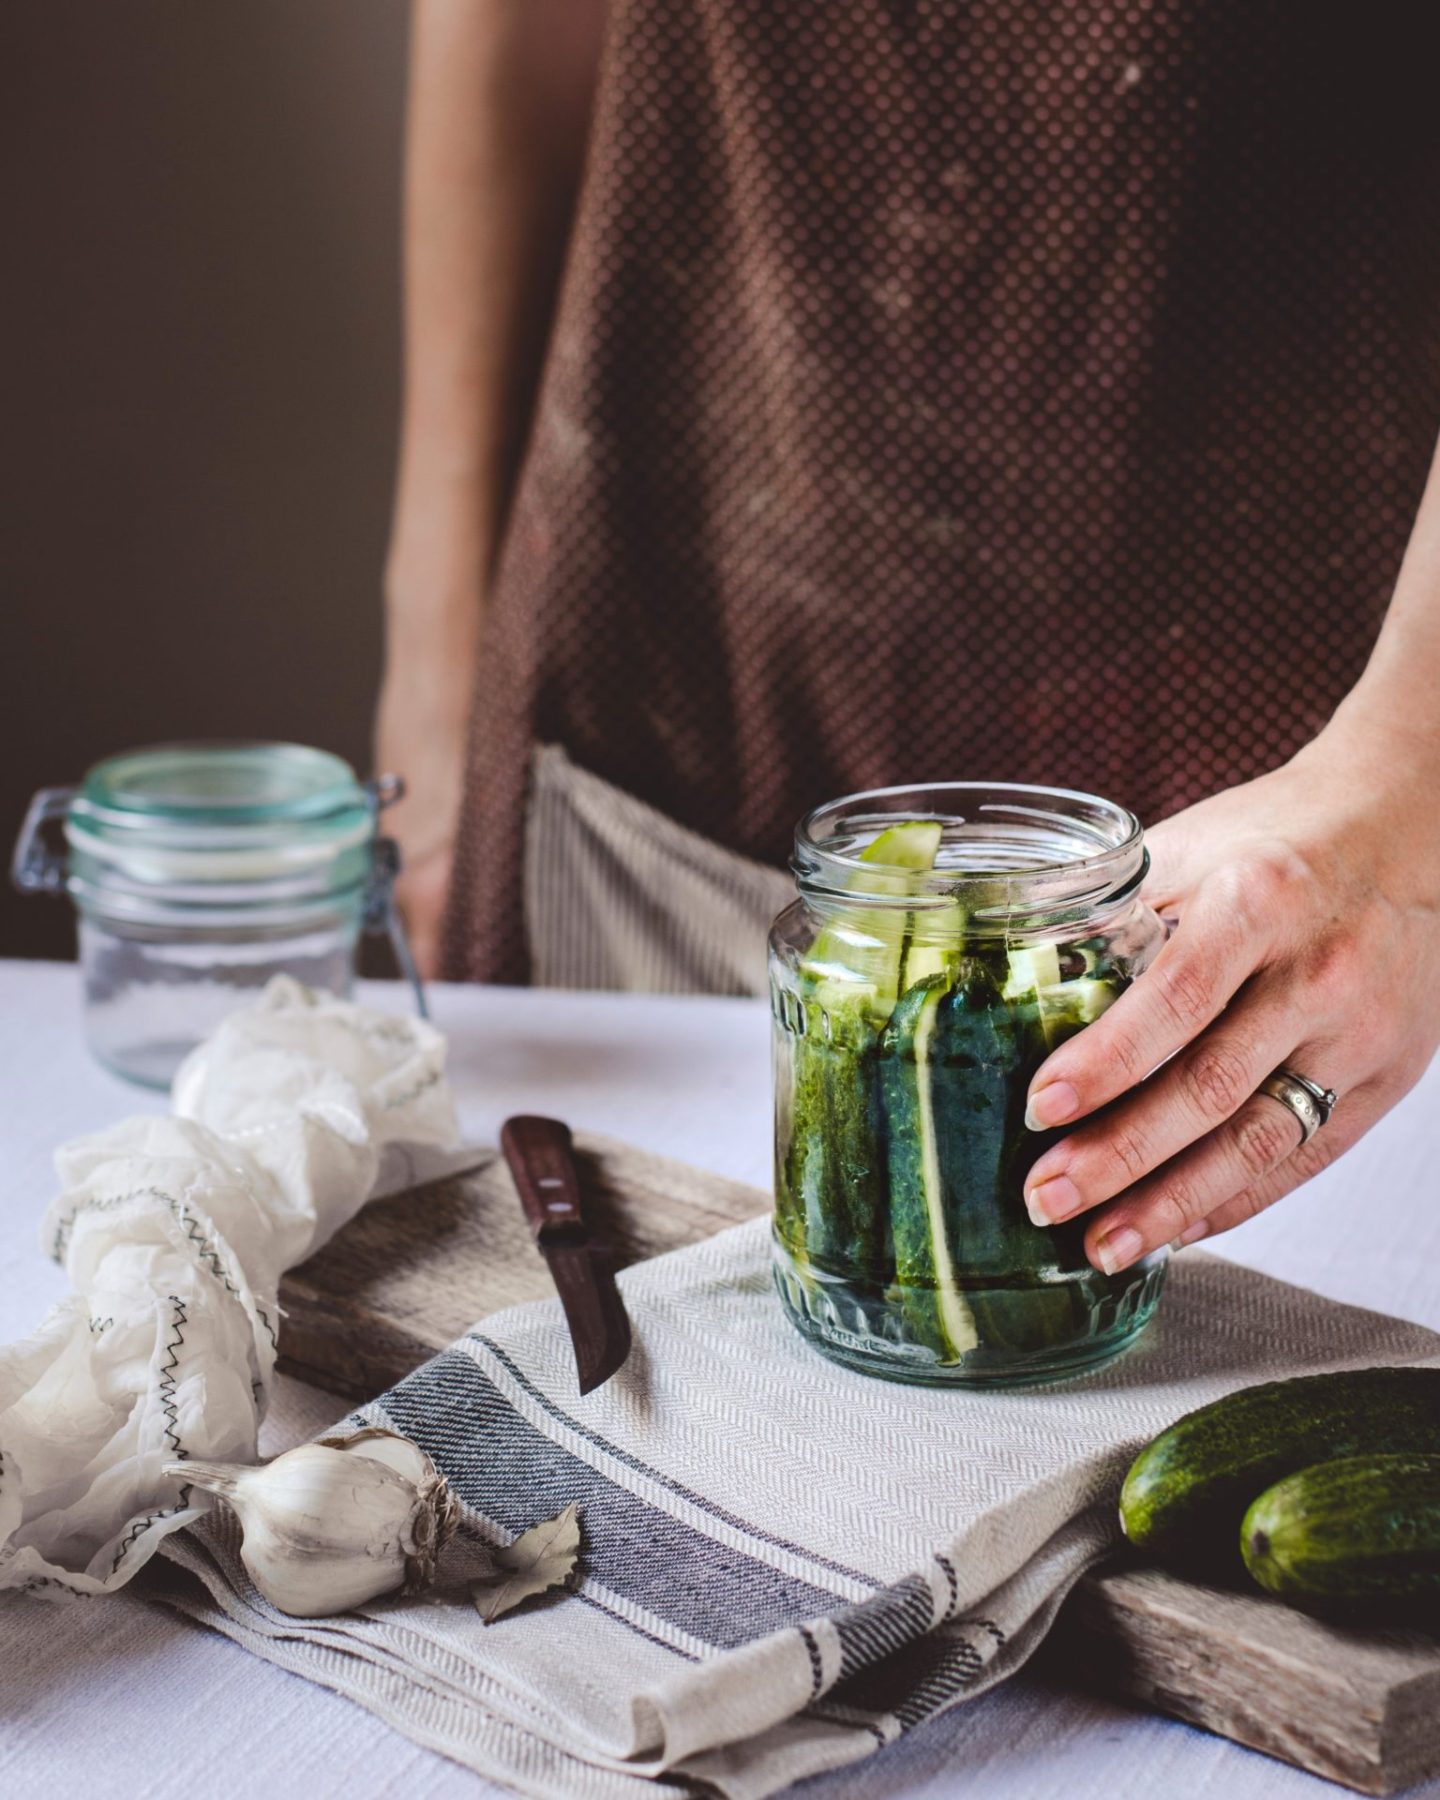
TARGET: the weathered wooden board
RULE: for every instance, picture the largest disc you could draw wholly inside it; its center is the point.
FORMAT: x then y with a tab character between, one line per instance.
413	1272
410	1274
1359	1707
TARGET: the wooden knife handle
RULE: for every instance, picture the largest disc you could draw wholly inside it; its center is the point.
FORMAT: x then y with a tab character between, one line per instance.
542	1160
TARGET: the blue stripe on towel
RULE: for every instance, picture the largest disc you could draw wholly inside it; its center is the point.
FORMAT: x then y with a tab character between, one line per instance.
499	1464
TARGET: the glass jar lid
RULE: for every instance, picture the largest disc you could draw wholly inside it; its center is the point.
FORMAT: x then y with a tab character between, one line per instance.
224	784
218	812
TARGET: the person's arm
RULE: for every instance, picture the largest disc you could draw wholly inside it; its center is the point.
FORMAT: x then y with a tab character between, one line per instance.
500	96
1400	689
1309	938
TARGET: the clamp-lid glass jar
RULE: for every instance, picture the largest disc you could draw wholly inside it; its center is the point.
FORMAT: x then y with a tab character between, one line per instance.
198	871
946	939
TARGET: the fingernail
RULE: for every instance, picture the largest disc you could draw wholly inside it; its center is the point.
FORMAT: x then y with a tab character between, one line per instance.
1051	1201
1118	1249
1051	1105
1192	1234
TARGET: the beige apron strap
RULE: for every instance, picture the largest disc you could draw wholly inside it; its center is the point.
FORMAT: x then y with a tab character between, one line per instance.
617	895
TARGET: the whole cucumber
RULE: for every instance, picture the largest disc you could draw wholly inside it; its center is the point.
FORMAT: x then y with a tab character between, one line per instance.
1187	1492
1356	1539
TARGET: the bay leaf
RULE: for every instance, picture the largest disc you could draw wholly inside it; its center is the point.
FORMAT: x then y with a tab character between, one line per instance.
540	1559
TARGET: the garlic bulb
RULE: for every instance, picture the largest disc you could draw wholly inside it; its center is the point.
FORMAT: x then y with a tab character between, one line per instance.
330	1525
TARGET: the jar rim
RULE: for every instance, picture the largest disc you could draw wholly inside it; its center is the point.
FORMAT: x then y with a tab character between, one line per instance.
1008	849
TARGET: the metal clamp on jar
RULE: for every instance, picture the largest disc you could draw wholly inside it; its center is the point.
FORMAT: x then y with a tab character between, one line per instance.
198	871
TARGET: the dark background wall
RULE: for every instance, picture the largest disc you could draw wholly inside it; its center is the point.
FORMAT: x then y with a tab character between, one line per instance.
199	353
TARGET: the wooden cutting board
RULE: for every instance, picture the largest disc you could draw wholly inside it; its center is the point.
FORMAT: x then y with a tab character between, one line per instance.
411	1273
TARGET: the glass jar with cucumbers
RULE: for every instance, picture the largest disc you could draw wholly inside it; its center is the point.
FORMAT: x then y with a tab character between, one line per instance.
944	941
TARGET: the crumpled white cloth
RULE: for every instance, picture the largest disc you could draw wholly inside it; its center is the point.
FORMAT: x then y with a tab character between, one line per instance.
175	1232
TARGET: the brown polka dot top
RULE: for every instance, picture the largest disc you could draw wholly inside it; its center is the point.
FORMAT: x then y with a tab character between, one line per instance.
1028	390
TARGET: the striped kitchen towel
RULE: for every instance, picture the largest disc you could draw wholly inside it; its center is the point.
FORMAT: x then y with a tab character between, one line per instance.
786	1564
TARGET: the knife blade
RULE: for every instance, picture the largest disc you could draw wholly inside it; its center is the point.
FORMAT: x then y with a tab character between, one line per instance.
541	1157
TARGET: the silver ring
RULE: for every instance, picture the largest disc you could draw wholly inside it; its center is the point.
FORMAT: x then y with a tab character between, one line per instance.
1325	1098
1311	1104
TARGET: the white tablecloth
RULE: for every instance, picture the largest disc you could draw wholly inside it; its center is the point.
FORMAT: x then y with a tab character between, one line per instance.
113	1697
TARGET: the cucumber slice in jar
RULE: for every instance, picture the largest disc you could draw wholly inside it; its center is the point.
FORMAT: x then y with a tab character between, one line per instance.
1061	1007
832	1194
933	946
1032	969
986	1048
862	957
935	1309
913	845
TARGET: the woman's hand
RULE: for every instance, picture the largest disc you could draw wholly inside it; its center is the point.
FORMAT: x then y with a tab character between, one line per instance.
1308	935
420	734
434	599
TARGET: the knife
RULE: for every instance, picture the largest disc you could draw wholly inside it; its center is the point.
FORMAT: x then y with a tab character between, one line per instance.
541	1156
